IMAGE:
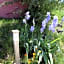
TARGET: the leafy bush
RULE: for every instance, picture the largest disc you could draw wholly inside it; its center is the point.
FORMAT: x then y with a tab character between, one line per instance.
6	42
36	45
40	41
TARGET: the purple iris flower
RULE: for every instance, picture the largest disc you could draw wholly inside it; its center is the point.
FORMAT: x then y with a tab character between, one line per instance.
41	29
44	24
63	18
24	21
55	21
55	24
27	17
48	19
32	28
51	28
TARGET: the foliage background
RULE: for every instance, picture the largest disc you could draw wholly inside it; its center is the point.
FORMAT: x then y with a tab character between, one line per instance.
38	10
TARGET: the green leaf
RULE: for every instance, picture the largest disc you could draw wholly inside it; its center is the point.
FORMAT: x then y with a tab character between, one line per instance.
55	40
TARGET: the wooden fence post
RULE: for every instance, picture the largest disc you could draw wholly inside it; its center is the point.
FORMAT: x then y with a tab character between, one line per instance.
16	45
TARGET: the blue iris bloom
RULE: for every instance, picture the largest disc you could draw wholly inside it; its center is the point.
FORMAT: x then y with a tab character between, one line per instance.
41	29
51	28
43	22
54	24
48	19
27	15
55	21
32	28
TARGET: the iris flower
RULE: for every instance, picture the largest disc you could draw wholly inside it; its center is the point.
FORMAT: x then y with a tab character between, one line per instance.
55	21
27	15
32	28
24	21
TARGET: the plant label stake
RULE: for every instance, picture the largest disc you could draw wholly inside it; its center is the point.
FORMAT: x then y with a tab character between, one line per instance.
16	45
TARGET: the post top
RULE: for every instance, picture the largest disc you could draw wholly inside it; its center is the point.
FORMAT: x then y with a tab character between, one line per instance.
15	31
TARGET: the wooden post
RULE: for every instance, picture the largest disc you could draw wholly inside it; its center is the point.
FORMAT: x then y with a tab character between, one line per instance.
16	45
